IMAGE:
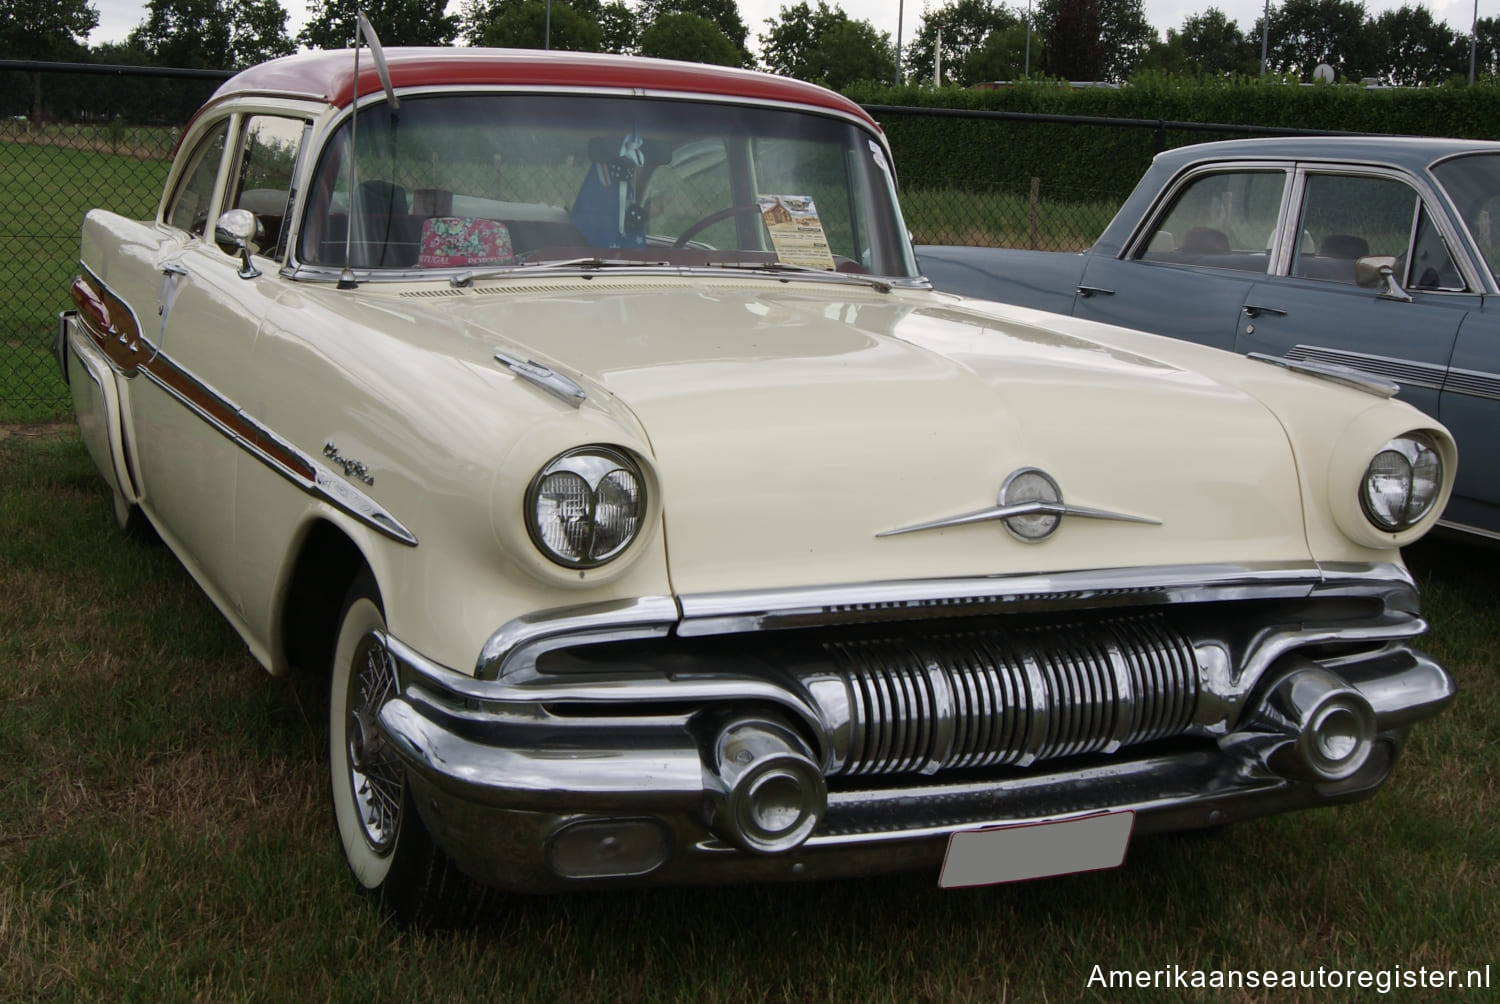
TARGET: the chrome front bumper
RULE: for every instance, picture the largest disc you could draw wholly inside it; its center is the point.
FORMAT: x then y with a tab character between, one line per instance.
542	781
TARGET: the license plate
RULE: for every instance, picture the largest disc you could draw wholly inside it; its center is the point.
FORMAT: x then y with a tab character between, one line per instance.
1023	851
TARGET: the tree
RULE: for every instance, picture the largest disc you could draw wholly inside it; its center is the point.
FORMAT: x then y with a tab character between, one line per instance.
1213	45
1072	48
1304	33
827	47
44	29
1419	49
964	25
1002	56
1487	48
618	27
331	23
526	26
209	35
1125	35
723	13
1208	45
690	38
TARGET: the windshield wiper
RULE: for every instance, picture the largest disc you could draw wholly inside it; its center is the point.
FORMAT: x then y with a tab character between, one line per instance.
807	270
469	278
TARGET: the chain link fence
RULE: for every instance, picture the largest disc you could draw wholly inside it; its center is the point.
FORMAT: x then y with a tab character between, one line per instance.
105	137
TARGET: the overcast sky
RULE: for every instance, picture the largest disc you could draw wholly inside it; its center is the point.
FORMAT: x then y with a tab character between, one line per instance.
118	17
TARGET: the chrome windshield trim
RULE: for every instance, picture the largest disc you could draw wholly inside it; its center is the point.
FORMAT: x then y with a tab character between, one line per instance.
572	270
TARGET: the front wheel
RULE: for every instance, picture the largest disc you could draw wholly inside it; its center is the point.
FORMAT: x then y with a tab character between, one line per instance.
389	850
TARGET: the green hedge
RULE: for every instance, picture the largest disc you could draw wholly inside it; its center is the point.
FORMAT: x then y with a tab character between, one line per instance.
933	151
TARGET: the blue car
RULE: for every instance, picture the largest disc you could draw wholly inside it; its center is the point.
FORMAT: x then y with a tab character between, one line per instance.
1376	254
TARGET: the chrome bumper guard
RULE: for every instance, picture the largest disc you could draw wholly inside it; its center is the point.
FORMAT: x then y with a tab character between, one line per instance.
540	782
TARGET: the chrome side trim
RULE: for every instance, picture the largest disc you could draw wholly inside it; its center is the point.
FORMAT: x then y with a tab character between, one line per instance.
124	350
1300	361
551	381
1474	383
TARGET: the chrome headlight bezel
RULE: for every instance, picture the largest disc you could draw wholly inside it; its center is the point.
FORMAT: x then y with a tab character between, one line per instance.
1402	482
581	481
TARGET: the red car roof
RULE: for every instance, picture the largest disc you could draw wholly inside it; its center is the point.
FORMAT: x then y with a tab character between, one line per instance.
329	75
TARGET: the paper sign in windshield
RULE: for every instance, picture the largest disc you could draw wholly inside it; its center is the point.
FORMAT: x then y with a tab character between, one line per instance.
796	232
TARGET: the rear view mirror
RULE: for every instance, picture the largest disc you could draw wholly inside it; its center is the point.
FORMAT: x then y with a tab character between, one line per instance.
1379	271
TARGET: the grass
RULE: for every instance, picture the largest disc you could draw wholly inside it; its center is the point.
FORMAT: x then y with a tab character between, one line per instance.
164	837
46	191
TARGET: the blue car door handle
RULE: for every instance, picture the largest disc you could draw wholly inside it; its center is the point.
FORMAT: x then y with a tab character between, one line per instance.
1255	310
1088	291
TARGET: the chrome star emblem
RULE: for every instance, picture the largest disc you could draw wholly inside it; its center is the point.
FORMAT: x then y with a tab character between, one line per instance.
1031	507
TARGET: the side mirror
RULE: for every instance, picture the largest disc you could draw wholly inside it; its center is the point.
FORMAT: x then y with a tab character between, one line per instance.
233	232
1374	271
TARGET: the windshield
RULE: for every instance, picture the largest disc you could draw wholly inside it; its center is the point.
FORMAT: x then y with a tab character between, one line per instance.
501	180
1473	183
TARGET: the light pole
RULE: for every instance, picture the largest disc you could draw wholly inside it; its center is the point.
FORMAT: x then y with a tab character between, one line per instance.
1027	72
1265	32
1473	41
901	16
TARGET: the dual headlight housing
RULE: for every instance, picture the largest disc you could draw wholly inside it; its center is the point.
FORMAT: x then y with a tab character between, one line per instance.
585	507
1402	483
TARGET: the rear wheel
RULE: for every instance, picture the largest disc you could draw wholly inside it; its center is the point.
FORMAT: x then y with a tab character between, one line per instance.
389	850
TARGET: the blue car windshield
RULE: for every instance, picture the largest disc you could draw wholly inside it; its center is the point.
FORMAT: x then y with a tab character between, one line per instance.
498	180
1473	183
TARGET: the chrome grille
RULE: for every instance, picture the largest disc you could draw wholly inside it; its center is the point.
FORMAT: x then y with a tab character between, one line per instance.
989	698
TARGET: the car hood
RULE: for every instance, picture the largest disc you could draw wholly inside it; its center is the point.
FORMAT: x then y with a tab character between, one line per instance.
789	429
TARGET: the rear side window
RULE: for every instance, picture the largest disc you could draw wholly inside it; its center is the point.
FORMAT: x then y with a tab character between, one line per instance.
1224	219
192	202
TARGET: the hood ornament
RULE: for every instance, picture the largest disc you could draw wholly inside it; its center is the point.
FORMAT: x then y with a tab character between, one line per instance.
1031	507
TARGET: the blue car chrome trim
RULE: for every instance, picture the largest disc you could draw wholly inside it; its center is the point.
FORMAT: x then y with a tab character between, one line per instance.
1405	372
1473	383
113	327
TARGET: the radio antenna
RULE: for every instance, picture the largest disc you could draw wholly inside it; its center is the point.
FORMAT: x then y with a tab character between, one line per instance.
365	33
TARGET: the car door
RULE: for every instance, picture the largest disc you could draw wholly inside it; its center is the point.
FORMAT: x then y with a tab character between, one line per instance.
1314	308
190	426
1188	271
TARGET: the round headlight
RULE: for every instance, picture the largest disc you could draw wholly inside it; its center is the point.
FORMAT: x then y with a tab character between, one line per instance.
1402	482
585	506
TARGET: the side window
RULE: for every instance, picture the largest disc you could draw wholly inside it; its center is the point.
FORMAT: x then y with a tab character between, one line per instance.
1432	265
1226	219
1346	217
191	203
263	181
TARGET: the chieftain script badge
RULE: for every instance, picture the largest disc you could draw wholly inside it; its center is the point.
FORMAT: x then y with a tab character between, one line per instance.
351	468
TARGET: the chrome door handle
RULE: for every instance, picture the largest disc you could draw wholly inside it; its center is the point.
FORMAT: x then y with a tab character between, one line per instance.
1255	310
1088	291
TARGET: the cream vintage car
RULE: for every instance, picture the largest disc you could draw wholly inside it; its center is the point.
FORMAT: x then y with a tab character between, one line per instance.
586	420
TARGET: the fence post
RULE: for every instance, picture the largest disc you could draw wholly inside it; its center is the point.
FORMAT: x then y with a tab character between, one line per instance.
1031	213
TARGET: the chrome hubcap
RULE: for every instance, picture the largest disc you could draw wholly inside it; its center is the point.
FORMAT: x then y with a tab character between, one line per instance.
375	775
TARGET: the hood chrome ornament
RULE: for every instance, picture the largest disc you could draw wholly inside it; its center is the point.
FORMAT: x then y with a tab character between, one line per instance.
1031	507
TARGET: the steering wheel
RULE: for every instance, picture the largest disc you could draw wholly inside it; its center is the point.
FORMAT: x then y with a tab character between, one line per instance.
709	220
